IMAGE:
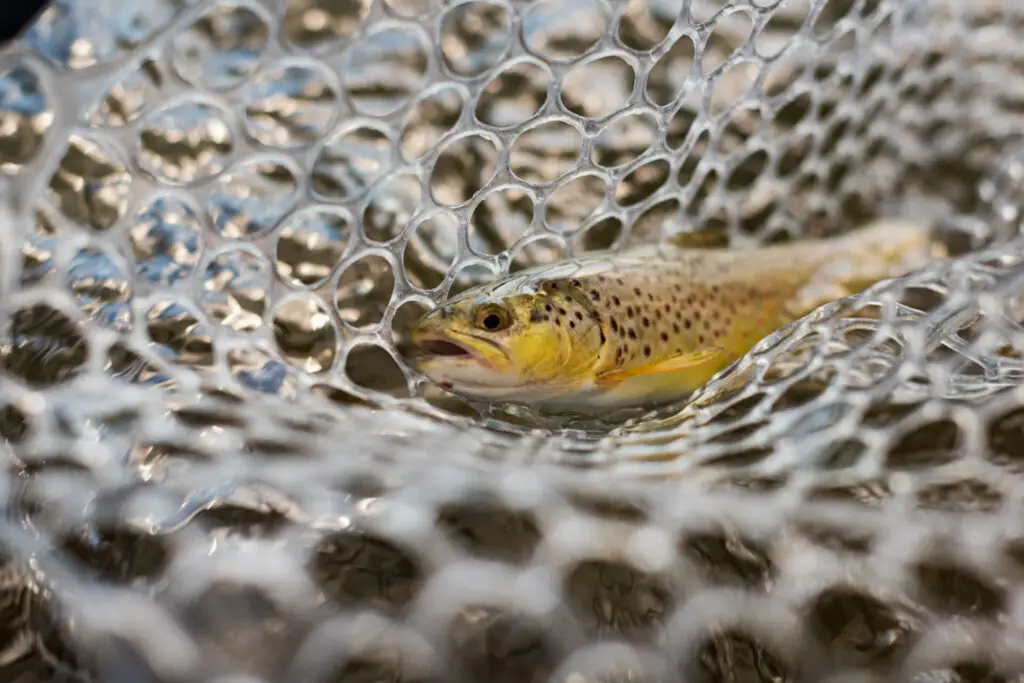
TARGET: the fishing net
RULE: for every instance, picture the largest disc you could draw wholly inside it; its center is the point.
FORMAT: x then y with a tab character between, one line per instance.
219	218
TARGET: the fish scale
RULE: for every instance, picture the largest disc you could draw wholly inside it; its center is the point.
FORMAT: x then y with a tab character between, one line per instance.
660	307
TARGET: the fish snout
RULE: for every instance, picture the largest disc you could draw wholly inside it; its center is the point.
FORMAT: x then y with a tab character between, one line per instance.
436	341
429	327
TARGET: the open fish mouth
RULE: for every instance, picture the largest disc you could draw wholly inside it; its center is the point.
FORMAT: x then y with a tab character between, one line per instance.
440	346
443	348
479	367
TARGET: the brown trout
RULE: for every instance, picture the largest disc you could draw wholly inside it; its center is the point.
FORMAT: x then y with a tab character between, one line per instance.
612	330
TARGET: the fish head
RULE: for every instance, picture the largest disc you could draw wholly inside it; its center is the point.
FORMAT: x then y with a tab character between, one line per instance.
519	346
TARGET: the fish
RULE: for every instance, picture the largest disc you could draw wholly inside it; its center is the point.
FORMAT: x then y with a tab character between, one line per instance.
648	325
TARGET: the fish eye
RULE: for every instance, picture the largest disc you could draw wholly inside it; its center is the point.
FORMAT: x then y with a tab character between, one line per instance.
493	318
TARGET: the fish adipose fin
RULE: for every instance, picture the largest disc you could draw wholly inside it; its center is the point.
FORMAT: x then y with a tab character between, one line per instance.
704	239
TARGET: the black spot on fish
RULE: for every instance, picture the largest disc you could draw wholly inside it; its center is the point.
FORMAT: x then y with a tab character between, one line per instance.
572	324
615	325
579	316
664	336
675	327
632	334
547	307
647	350
536	316
629	312
595	295
646	322
636	290
601	332
616	301
687	323
561	311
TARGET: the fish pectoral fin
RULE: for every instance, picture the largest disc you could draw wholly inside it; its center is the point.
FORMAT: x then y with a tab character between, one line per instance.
688	368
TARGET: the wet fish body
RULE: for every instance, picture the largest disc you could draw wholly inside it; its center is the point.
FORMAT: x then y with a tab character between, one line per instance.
648	325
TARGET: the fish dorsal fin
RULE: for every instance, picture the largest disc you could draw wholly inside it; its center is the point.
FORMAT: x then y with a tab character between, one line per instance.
709	238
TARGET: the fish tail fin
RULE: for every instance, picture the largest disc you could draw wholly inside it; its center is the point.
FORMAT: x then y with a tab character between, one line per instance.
889	248
879	251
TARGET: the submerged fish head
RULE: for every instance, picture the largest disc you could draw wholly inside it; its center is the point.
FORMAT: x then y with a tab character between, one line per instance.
516	347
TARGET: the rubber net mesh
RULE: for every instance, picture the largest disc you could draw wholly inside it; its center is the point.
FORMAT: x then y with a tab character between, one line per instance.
219	219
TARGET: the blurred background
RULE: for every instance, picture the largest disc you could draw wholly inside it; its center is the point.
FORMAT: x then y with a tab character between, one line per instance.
219	218
15	16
